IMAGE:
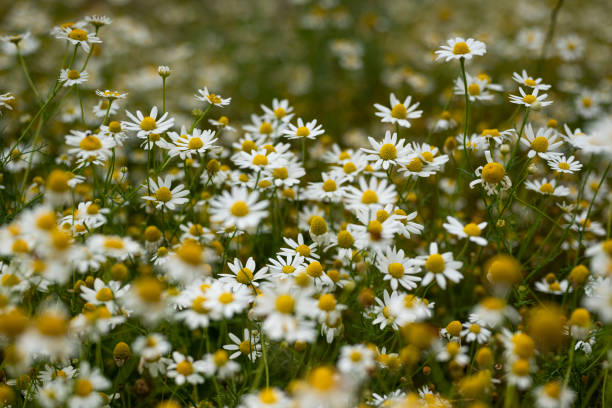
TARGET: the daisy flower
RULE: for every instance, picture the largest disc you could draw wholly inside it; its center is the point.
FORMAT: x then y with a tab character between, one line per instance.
197	143
398	269
550	284
249	345
331	189
388	152
280	110
372	194
356	360
492	176
238	208
477	89
71	77
471	231
475	330
451	351
244	275
543	143
282	267
87	387
299	247
147	125
527	80
518	373
309	130
570	47
111	95
440	267
458	47
89	148
224	300
217	100
563	164
220	365
105	294
399	113
165	197
78	36
530	100
554	395
184	369
588	104
266	398
547	188
496	136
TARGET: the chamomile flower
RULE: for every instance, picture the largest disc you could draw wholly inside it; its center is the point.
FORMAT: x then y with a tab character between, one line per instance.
492	176
398	269
211	98
105	294
249	346
308	130
543	143
554	395
564	164
184	369
78	36
244	275
330	189
356	360
527	80
266	398
530	100
388	152
399	113
239	208
299	247
89	148
372	194
70	77
280	110
550	284
87	387
197	143
286	265
475	330
111	94
477	89
224	300
547	187
439	267
164	196
471	231
458	47
144	126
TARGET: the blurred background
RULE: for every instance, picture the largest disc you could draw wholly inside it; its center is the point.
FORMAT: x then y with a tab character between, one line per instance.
331	58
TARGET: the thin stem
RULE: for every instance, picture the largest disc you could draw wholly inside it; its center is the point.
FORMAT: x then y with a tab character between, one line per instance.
81	104
549	35
164	94
26	72
200	118
110	102
467	113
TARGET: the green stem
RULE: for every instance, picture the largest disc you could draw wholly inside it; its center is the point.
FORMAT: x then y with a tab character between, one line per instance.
200	117
26	72
467	113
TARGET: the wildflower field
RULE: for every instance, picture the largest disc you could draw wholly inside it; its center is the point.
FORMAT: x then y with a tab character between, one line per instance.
305	203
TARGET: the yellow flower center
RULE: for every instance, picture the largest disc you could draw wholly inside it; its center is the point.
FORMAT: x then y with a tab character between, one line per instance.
150	290
78	35
587	102
472	230
213	98
415	165
266	128
564	166
349	167
322	379
530	82
239	209
435	263
329	185
453	348
9	279
288	269
50	324
387	152
190	252
244	276
327	302
195	143
248	146
104	295
461	48
356	356
521	367
303	131
280	173
314	269
345	239
493	173
396	270
279	112
318	225
303	250
260	160
148	123
90	143
375	230
369	197
540	144
553	389
226	298
285	304
198	305
474	89
474	328
399	111
245	347
83	387
163	194
73	74
113	243
20	246
184	368
529	99
547	188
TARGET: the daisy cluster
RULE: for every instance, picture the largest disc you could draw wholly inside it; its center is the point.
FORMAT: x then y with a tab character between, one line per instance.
149	256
